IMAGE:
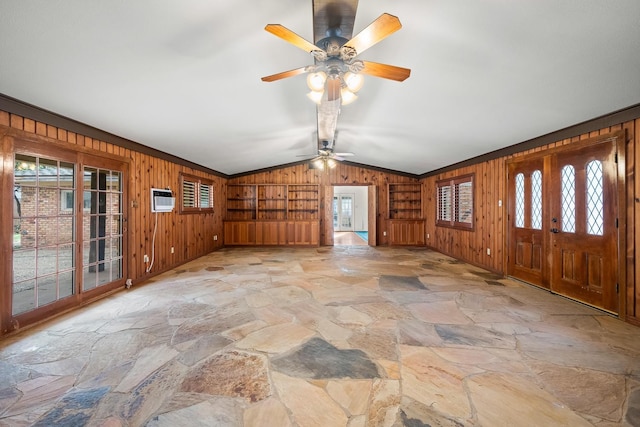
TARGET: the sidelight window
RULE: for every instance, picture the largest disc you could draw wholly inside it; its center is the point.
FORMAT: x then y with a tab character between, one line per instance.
520	200
568	199
595	198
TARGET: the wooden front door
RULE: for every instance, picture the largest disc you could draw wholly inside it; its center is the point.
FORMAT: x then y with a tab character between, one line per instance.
527	238
563	233
583	230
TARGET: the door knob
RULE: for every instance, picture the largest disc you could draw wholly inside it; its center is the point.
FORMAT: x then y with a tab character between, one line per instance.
555	230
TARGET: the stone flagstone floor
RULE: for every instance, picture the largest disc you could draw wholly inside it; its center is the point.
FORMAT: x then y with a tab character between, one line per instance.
330	336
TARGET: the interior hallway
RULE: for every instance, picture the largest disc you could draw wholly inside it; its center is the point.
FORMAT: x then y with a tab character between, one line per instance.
330	336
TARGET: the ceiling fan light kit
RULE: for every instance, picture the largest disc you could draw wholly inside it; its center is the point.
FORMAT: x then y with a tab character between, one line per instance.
336	74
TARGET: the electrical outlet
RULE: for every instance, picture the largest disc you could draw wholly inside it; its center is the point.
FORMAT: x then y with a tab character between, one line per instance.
215	237
488	251
146	258
384	233
172	250
428	235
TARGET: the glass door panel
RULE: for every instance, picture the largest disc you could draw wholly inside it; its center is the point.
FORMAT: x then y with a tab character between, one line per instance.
102	226
43	232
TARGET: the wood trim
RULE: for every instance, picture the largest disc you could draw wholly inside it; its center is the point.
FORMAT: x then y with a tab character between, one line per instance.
601	122
306	162
6	224
23	109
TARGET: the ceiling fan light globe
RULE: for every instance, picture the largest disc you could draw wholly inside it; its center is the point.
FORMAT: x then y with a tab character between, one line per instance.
319	164
316	81
315	96
353	81
331	163
347	97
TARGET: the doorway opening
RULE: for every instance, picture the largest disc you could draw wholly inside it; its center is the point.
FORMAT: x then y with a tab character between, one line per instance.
350	216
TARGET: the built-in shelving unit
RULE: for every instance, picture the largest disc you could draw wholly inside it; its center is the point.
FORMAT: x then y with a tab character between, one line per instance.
272	214
406	221
272	202
241	202
405	201
303	202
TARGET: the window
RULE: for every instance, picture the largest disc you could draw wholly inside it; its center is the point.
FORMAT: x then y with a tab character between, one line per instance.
66	200
455	202
197	194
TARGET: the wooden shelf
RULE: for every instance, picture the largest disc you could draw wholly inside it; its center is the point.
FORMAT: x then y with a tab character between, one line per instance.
273	202
405	201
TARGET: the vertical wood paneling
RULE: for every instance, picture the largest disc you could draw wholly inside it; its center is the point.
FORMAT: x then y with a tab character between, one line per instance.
491	222
343	174
191	235
633	221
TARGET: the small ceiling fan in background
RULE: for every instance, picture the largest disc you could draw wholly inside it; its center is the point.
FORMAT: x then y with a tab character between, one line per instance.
326	158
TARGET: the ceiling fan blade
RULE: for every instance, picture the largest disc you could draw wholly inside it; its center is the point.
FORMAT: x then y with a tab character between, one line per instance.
344	154
289	36
378	30
385	71
284	74
336	157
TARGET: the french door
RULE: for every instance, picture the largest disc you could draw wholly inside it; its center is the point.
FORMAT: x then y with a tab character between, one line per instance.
68	230
563	232
343	212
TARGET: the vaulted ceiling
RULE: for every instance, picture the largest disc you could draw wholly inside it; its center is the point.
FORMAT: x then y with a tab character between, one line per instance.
183	76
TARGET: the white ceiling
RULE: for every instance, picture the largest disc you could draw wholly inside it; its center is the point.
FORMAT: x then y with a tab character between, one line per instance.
184	76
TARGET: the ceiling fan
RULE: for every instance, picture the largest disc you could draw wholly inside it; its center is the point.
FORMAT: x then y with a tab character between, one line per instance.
336	55
326	157
336	73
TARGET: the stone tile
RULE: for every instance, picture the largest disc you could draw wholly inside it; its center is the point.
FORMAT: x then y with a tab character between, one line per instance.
73	409
268	412
144	400
352	395
233	374
443	312
400	283
276	339
204	414
318	359
435	382
332	332
202	348
594	393
297	393
349	316
285	295
522	403
211	323
242	331
474	336
39	391
148	360
385	403
472	350
632	415
413	413
377	343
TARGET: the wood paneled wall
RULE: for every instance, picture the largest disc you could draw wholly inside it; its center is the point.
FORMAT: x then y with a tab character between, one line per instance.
191	235
491	221
343	174
489	217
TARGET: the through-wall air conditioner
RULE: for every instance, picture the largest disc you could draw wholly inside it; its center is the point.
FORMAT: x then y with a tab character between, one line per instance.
162	200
